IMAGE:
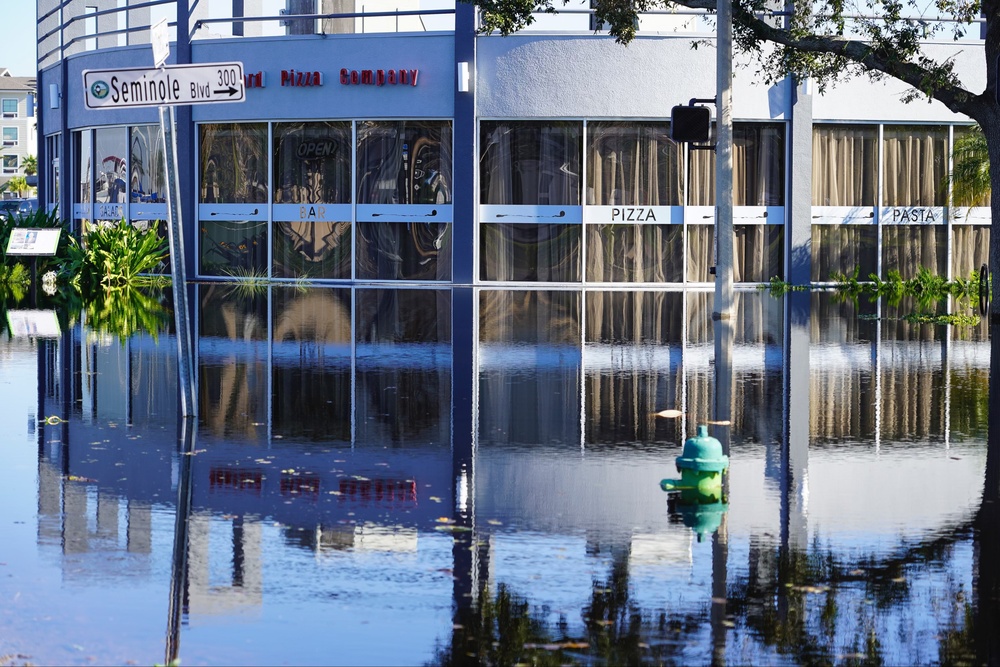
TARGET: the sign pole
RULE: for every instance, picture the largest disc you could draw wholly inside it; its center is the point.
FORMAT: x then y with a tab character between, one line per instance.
175	233
166	86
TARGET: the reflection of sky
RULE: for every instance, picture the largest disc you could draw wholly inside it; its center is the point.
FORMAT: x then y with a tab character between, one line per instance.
60	604
338	607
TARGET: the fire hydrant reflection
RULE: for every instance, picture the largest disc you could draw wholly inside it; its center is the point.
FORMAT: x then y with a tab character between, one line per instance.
697	496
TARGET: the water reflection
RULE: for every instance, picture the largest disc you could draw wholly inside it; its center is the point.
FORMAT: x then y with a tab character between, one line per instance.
335	494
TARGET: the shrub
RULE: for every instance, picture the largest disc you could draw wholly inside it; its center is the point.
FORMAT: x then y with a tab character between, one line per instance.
115	255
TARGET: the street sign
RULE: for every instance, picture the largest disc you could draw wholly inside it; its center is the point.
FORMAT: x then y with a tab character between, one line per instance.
166	86
160	40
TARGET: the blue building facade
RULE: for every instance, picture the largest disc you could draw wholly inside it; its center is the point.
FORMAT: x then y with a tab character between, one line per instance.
404	146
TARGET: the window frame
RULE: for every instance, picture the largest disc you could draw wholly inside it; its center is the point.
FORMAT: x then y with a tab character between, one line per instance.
16	113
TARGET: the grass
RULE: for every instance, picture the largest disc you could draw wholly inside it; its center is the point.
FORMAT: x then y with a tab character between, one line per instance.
926	288
249	282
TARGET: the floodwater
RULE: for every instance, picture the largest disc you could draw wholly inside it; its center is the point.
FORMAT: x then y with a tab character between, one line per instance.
457	476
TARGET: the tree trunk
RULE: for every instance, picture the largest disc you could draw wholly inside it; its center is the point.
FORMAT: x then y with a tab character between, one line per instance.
991	130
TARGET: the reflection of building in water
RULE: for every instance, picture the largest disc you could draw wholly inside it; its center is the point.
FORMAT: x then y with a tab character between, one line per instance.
362	537
86	518
107	464
234	585
333	435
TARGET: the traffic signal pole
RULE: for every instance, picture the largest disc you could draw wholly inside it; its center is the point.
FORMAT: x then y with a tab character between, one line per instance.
724	163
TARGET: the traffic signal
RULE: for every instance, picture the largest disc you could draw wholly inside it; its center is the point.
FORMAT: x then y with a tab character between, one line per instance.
690	123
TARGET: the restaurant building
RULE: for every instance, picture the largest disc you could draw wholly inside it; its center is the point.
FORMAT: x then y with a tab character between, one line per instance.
404	146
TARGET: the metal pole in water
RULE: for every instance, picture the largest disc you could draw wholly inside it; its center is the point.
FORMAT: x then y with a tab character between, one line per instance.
175	234
179	564
724	162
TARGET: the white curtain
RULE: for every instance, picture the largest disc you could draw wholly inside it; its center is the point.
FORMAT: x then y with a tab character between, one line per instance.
842	249
530	163
915	166
632	164
970	249
845	165
758	168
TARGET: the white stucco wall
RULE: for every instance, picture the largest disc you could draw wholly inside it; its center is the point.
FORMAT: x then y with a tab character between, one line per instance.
588	76
859	98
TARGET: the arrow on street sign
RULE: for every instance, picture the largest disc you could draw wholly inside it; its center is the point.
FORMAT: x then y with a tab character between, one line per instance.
165	86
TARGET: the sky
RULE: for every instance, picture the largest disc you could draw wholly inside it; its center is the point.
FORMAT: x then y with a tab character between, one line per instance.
18	46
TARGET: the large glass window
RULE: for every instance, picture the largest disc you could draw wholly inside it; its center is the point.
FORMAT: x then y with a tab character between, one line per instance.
914	165
111	177
147	181
83	143
233	163
842	249
234	170
312	174
312	163
970	242
908	248
635	253
633	164
758	253
315	249
845	165
9	107
530	162
970	150
147	166
10	136
10	164
758	168
970	249
700	252
404	251
530	252
53	144
404	162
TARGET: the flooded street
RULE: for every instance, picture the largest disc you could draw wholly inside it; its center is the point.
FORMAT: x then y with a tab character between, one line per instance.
459	476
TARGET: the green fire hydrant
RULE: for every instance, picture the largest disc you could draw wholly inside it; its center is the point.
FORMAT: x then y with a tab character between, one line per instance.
701	465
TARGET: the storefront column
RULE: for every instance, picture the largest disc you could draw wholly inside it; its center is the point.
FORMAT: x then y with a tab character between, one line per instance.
798	230
68	169
465	159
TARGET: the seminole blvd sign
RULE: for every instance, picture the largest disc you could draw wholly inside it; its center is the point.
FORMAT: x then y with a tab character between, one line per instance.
164	86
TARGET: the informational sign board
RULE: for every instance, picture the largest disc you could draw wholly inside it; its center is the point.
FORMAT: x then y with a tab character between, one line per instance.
169	85
33	241
33	323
